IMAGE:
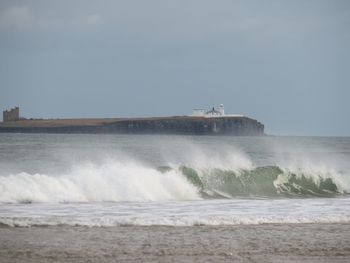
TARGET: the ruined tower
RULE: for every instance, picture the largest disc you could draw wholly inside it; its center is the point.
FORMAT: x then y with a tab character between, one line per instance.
10	115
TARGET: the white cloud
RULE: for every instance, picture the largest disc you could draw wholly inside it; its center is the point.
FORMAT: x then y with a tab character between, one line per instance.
17	17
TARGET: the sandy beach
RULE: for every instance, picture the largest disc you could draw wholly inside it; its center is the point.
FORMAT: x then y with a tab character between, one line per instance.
259	243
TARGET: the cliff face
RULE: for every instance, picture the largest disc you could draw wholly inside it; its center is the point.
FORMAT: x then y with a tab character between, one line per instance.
168	125
183	125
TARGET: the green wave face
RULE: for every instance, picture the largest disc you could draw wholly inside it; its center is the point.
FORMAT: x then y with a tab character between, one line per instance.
267	181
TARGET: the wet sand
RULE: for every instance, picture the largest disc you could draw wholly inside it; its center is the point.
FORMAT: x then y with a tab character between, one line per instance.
249	243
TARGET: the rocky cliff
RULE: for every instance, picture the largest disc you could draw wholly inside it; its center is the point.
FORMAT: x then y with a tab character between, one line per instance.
224	125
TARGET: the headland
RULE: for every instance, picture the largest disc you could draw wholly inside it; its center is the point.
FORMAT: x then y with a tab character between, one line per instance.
213	122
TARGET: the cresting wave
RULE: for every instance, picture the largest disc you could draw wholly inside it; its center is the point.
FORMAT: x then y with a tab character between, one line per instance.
126	181
266	181
111	182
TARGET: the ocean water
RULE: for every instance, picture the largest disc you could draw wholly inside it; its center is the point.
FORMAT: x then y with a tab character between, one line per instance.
124	180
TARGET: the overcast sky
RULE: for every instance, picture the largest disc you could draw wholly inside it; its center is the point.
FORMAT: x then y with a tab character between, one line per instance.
285	63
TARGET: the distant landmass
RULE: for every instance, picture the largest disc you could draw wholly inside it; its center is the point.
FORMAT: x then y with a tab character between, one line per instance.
201	122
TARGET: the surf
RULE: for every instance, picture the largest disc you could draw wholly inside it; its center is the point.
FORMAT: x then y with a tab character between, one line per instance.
265	181
120	181
112	181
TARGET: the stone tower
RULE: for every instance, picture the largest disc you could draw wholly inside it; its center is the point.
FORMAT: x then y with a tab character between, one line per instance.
10	115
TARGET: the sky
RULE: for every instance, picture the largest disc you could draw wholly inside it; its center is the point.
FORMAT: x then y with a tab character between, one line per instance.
284	63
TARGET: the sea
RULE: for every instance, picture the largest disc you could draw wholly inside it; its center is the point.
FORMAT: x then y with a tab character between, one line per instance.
159	180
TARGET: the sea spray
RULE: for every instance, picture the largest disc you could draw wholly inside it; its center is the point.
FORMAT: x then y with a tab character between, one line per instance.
116	181
113	182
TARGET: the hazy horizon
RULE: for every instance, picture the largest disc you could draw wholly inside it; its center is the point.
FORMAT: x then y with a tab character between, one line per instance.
286	64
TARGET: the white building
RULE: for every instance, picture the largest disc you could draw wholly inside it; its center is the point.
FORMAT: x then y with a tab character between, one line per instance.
198	112
214	112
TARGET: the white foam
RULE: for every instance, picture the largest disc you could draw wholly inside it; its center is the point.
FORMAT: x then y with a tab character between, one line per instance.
112	181
189	213
315	170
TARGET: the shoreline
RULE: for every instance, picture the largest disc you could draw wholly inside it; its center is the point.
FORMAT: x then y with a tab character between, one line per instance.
315	242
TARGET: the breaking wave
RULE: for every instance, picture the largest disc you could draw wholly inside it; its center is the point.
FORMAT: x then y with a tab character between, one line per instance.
266	181
127	181
111	182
